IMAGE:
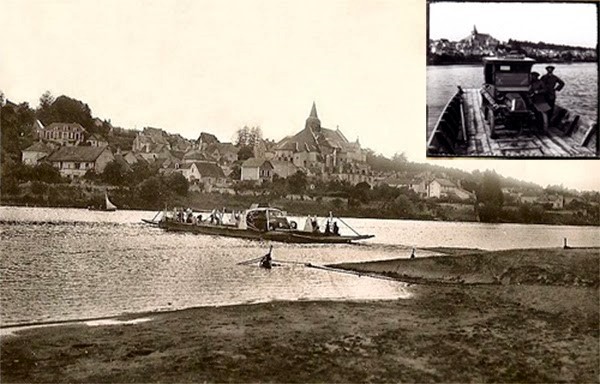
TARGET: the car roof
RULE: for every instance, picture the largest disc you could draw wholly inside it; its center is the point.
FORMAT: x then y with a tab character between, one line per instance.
508	59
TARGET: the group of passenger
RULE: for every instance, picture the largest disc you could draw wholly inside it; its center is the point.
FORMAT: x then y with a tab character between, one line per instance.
331	226
543	93
215	217
187	216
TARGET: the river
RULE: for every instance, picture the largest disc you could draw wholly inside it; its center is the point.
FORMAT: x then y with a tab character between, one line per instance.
579	95
69	264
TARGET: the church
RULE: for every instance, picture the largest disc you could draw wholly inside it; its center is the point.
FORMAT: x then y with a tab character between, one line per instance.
321	150
479	40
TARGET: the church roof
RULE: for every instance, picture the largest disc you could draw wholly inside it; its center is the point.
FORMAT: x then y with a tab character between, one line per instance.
314	138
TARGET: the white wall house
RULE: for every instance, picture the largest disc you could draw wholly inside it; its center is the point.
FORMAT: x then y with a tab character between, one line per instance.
76	161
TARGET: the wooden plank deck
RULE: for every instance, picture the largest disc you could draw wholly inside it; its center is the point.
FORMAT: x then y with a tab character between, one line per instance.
509	143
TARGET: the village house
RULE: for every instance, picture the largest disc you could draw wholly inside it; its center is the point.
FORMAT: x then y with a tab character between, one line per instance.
151	141
133	158
207	173
96	140
256	169
65	134
223	153
76	161
211	174
35	152
552	201
194	156
445	188
204	140
283	169
528	199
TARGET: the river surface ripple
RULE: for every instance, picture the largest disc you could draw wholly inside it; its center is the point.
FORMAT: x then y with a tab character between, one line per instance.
69	264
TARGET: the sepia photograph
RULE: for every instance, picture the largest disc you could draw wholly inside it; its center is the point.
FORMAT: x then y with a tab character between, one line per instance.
512	79
208	191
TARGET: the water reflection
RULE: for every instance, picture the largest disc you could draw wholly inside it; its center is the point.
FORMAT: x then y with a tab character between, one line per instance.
61	264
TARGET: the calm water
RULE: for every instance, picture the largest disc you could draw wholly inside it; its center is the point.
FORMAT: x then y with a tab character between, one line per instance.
579	95
59	264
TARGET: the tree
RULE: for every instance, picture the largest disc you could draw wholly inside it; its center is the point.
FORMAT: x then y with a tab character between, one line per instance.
255	136
114	173
489	198
178	183
399	158
151	190
67	110
403	207
360	192
247	136
245	152
46	101
140	171
47	173
236	172
297	182
17	134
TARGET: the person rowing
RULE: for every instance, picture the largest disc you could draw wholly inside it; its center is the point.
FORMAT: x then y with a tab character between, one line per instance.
266	261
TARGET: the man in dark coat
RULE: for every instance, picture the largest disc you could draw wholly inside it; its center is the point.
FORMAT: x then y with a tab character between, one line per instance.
553	84
539	99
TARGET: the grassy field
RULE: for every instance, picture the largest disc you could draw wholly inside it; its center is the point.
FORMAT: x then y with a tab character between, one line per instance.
474	316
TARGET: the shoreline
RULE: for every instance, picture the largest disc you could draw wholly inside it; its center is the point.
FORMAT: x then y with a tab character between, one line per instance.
324	216
480	63
539	322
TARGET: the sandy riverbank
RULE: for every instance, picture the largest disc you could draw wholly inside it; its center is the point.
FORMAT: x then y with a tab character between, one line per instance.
507	316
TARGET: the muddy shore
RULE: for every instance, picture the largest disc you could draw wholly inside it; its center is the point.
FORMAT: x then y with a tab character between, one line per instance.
474	316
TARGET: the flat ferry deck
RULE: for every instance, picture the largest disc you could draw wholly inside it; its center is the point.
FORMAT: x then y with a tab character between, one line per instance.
531	142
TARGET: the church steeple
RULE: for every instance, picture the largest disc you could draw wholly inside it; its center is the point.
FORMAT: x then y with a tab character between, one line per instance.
313	111
474	30
312	122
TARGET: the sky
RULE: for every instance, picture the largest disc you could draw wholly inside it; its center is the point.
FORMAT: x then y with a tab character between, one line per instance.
547	22
189	66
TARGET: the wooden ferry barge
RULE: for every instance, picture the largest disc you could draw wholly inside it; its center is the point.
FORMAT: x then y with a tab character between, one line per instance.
260	223
499	120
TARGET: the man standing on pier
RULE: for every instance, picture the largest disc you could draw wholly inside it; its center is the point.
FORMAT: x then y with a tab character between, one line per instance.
553	84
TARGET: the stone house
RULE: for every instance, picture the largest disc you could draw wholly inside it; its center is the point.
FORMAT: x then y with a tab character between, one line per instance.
96	140
257	169
74	162
35	152
223	153
151	140
65	134
445	188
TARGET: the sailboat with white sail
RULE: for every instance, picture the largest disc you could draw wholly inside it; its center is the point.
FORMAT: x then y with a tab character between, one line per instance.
107	205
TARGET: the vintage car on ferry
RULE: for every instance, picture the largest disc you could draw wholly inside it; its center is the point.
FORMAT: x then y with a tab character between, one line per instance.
505	93
504	118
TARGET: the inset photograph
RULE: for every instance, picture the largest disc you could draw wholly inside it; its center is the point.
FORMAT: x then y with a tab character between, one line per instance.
512	80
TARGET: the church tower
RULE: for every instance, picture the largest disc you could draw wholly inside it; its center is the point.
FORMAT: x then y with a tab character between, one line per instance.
312	122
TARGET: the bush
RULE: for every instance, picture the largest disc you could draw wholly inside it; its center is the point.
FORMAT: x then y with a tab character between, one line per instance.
46	173
38	187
